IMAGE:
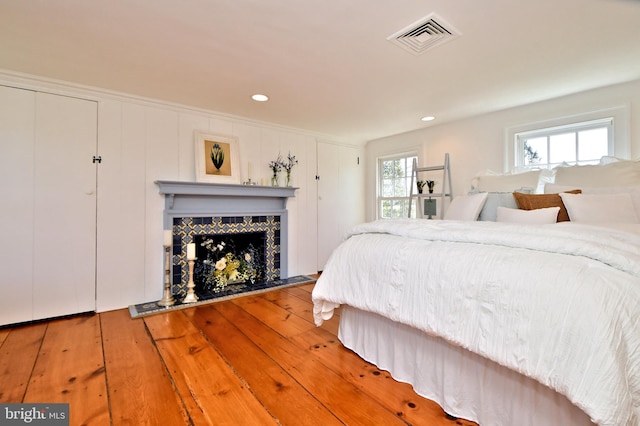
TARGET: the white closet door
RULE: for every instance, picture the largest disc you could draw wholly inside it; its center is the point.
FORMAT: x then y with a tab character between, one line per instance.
64	221
17	133
340	196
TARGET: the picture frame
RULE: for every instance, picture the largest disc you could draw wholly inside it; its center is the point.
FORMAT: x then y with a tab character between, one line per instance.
217	158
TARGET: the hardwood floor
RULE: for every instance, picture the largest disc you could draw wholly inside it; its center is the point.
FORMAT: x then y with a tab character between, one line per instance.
251	360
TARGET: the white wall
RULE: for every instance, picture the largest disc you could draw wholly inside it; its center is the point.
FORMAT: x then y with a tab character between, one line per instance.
140	144
478	143
141	141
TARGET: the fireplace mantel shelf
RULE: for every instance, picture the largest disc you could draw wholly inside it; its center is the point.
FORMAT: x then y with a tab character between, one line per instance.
182	197
172	188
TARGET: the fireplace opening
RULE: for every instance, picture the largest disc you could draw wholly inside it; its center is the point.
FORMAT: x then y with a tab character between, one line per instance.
263	233
229	262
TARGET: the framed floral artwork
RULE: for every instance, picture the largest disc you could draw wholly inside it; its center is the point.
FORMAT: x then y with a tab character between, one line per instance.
217	158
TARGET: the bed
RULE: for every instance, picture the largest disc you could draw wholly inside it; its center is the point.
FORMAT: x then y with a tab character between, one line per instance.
498	322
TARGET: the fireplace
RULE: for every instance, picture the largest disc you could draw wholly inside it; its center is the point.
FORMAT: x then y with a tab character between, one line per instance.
238	235
246	218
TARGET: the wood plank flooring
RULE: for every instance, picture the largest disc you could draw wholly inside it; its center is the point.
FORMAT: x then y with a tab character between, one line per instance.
248	361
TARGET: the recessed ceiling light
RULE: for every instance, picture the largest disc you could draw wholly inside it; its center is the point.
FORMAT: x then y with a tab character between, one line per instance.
428	118
260	98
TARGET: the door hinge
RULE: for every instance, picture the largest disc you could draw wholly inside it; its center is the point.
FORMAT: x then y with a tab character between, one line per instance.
97	159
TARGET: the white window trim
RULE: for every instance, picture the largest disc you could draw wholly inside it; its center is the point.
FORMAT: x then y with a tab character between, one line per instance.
620	120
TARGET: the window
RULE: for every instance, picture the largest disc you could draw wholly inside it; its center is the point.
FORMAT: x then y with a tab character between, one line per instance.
394	180
581	138
579	143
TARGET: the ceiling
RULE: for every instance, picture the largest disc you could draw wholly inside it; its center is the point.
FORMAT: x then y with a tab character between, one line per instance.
327	65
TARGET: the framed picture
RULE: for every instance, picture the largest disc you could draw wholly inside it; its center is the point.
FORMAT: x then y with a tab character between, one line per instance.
217	158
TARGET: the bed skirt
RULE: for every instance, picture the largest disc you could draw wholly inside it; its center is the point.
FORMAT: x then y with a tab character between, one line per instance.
464	384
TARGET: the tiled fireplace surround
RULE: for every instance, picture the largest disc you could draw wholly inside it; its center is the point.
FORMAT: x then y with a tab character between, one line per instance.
197	208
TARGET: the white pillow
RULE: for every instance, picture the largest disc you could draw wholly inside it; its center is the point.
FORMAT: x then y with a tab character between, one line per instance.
532	217
466	207
552	188
634	191
613	174
507	182
600	208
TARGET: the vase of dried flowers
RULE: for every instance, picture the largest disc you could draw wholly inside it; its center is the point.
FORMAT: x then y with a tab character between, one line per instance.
276	166
288	166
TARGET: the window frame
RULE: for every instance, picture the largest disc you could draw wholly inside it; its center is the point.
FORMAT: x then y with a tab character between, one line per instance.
618	143
408	156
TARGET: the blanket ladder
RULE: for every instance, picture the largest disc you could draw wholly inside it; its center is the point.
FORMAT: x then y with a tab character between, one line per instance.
425	199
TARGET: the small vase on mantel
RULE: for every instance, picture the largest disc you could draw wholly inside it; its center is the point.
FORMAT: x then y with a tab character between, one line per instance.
288	179
275	179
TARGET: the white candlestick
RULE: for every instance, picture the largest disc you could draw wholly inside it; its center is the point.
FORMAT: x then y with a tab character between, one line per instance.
249	170
191	251
168	238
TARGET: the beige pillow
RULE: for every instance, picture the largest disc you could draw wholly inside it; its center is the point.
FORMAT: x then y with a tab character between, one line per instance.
541	201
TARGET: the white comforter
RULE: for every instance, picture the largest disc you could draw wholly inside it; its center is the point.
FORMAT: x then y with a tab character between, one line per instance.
559	303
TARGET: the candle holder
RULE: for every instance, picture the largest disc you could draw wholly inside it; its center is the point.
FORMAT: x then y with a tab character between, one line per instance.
167	297
191	295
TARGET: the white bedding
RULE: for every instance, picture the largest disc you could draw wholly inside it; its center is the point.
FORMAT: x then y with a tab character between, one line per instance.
559	303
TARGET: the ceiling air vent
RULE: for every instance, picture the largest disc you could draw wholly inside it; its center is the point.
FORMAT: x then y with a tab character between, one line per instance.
424	34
